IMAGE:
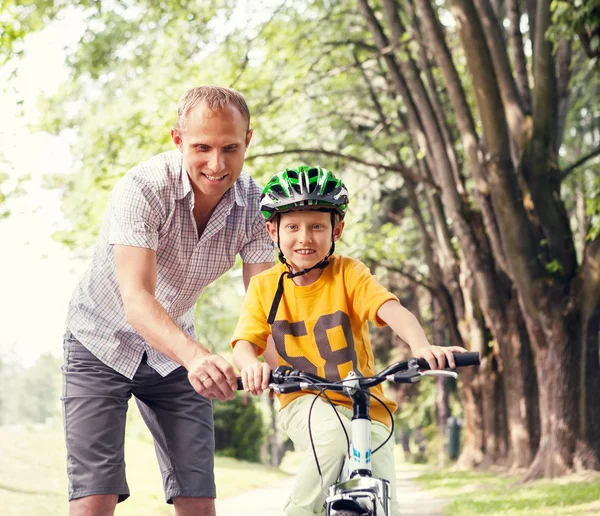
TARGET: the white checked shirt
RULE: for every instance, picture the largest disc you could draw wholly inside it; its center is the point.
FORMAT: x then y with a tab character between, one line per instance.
151	207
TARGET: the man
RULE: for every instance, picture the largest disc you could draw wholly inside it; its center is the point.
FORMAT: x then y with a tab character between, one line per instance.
173	225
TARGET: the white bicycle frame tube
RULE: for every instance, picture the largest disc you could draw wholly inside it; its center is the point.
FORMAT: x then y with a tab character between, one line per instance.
360	448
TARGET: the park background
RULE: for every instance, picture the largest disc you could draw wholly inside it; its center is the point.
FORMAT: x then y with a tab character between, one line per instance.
468	132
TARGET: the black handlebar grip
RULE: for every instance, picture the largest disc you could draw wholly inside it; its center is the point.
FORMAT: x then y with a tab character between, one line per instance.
240	385
467	359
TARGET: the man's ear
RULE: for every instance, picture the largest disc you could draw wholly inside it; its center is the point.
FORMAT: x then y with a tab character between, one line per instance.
176	137
272	229
338	230
249	136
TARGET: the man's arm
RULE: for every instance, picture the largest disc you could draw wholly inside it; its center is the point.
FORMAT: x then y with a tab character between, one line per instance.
209	374
250	269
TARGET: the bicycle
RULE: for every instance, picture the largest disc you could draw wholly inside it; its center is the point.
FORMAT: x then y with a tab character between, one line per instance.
357	492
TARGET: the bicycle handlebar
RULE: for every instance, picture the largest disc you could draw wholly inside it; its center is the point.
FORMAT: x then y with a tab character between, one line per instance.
289	380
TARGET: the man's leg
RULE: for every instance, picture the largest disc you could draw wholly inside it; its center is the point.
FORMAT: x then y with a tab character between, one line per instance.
95	505
194	506
181	423
94	410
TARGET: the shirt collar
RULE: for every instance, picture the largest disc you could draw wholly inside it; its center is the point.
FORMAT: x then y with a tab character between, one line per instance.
183	187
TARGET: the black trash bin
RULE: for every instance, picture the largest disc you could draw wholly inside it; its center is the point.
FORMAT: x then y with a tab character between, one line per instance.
454	427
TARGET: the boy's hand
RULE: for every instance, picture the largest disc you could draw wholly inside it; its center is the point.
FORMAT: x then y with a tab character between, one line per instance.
256	377
439	357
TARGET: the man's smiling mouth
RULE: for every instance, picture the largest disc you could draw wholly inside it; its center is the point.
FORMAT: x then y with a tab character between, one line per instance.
214	179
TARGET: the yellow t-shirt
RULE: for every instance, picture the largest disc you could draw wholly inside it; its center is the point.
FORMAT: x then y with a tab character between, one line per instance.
320	328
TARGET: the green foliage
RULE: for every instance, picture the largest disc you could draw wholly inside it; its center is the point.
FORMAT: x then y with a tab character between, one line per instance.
572	19
554	266
218	310
20	18
238	428
31	394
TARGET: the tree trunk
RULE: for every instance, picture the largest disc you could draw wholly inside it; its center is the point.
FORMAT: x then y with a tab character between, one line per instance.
491	431
442	404
473	427
517	372
556	365
587	452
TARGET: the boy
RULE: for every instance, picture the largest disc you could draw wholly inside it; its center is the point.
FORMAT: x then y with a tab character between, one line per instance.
318	321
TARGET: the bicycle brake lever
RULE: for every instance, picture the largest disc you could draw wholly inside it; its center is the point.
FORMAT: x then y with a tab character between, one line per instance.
440	372
405	377
290	387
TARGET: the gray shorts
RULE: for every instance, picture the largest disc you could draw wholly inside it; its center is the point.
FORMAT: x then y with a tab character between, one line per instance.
95	399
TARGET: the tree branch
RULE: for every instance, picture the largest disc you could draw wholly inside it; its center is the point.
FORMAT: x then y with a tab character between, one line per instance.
408	276
518	52
590	155
588	278
508	88
438	47
398	169
517	236
246	61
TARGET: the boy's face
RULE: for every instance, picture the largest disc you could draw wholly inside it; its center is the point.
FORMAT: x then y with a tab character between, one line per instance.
304	236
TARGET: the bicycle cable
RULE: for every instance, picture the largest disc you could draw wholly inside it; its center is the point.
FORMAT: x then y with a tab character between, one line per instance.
337	414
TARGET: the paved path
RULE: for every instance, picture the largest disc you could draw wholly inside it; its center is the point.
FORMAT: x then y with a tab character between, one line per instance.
268	501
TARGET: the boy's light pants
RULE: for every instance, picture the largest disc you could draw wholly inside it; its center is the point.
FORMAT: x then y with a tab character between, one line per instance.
308	497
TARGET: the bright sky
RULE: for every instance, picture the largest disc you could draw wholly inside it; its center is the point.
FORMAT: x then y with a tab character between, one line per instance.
37	275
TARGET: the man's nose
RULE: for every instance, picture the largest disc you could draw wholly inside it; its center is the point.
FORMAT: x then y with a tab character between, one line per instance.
216	163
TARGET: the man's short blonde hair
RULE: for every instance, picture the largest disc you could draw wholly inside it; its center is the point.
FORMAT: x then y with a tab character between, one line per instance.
214	97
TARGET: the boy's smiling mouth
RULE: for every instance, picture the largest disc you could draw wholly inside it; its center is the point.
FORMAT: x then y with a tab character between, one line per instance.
305	251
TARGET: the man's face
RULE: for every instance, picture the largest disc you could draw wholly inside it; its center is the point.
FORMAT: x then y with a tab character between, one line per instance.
213	144
304	236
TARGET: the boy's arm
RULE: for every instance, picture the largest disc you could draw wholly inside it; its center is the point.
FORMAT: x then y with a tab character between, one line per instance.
255	374
407	327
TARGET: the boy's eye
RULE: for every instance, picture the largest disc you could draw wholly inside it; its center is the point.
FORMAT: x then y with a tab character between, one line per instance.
292	227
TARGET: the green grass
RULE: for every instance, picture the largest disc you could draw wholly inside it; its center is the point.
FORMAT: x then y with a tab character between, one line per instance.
33	479
486	493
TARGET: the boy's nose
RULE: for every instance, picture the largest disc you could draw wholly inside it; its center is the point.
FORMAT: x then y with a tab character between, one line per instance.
305	236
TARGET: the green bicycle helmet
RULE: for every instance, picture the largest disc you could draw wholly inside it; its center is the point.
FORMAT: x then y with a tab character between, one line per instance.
304	188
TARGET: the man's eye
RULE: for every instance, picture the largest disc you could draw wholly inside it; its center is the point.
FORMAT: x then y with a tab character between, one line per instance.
230	149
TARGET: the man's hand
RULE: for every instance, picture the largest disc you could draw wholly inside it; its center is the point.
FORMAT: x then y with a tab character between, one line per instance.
438	357
212	377
256	377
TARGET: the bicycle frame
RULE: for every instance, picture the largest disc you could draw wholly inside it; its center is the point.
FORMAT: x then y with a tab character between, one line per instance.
357	488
